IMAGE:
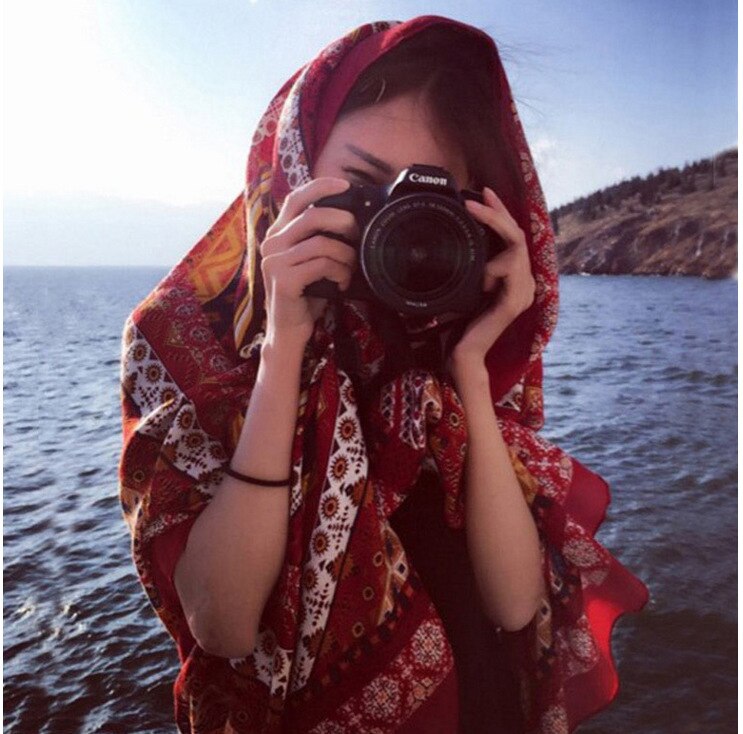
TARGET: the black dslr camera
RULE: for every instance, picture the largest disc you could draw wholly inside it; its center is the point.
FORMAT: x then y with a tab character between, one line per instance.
420	253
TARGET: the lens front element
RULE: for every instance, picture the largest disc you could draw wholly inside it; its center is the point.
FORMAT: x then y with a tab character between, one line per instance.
421	254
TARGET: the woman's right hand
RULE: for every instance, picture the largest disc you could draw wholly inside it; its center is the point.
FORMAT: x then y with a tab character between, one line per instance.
296	252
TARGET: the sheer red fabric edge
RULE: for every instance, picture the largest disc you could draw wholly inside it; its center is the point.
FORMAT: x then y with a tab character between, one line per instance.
621	592
586	694
166	550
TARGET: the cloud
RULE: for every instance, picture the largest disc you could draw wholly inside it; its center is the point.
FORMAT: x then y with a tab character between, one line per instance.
546	153
542	147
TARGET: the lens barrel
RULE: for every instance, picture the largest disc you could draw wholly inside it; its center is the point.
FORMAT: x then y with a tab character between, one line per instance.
422	254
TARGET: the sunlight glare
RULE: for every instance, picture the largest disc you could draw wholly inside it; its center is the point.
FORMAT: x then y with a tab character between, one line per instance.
78	121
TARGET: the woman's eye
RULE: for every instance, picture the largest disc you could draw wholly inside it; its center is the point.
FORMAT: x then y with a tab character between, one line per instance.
361	175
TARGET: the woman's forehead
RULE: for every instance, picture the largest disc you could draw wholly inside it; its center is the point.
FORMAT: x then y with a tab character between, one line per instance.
395	133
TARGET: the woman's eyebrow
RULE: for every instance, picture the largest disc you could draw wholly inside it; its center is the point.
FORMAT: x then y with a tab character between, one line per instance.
369	158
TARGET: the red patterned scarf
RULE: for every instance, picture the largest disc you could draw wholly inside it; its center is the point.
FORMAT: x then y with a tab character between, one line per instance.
350	640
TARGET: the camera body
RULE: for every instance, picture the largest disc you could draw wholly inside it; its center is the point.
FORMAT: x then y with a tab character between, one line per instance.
420	251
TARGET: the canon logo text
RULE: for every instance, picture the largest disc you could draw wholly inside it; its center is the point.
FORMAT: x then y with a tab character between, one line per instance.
436	180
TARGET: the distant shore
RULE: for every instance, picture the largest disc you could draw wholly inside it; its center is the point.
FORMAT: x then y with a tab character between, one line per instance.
673	222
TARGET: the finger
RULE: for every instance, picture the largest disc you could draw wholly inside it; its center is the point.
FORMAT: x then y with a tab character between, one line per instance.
308	223
516	287
495	215
300	198
497	271
300	276
490	280
512	264
507	262
321	246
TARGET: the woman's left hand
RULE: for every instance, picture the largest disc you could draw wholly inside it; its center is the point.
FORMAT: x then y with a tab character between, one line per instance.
509	271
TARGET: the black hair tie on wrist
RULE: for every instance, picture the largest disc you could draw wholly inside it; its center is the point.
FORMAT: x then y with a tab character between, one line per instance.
254	480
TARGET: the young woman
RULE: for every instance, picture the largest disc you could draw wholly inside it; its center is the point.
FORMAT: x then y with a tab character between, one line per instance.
342	514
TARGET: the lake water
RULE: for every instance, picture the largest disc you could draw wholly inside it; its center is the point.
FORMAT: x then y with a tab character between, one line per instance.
640	385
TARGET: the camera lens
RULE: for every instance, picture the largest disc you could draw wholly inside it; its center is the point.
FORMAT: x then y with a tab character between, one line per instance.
422	254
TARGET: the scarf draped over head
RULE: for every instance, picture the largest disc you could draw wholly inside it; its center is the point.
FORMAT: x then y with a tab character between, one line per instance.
349	639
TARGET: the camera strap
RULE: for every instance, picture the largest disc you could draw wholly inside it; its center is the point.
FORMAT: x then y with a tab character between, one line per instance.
429	349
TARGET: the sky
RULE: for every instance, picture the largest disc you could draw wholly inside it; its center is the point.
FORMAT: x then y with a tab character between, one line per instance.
126	123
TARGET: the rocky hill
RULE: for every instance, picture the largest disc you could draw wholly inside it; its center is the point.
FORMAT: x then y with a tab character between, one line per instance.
677	221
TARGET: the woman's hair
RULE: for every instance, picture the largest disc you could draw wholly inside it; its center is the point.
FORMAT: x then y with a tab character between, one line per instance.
454	72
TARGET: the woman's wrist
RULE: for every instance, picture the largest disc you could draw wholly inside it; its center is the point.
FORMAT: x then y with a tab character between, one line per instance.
468	370
279	372
283	349
468	365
